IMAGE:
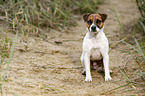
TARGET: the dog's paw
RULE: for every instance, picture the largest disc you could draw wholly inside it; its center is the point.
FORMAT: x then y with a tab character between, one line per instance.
107	78
88	79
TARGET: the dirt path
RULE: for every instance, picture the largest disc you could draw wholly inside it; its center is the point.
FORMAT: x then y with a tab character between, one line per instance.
47	68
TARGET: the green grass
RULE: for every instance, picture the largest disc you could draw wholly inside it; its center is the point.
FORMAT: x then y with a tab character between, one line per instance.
3	54
36	15
130	78
5	46
139	59
10	56
119	22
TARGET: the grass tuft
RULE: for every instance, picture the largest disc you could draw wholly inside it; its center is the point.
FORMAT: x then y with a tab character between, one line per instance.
10	56
38	14
119	22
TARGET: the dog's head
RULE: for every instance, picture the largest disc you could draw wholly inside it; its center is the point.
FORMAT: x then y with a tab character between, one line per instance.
94	22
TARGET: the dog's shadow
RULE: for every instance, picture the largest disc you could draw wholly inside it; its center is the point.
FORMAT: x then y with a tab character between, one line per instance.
96	66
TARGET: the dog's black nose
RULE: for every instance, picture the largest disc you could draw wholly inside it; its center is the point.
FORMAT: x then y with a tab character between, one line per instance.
93	28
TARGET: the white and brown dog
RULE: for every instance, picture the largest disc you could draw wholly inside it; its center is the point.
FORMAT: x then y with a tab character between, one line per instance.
95	44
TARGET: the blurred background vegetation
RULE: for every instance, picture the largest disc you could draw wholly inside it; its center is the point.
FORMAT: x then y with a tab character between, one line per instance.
34	15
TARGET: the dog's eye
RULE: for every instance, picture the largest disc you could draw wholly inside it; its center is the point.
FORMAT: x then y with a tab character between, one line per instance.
98	21
89	22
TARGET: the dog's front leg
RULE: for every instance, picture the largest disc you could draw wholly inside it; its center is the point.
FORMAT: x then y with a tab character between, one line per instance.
106	67
87	67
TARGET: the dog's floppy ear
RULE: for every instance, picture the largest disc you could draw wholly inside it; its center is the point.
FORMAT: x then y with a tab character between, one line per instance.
85	16
103	16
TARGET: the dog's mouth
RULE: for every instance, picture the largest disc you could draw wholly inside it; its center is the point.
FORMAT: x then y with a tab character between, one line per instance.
94	31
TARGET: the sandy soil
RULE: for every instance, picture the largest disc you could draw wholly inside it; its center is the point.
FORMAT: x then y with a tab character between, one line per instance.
44	68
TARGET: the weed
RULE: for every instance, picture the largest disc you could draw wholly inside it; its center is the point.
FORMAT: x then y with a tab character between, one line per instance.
139	59
10	56
6	51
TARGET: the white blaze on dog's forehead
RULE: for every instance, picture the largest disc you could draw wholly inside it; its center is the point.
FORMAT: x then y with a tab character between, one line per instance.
94	18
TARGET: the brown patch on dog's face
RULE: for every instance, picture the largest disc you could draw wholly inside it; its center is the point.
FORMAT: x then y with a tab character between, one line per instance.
97	19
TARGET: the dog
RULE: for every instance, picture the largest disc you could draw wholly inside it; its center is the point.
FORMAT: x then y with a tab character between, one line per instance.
95	44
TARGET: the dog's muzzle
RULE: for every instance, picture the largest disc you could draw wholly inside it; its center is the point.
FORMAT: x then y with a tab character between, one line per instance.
93	29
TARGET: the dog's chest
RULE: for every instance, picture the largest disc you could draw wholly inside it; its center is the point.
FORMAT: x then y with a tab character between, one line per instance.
95	54
95	50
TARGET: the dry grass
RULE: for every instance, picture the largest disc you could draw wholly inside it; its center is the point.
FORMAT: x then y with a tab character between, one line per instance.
31	16
135	79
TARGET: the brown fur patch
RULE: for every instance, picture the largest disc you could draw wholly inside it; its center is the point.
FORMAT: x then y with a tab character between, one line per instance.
94	17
